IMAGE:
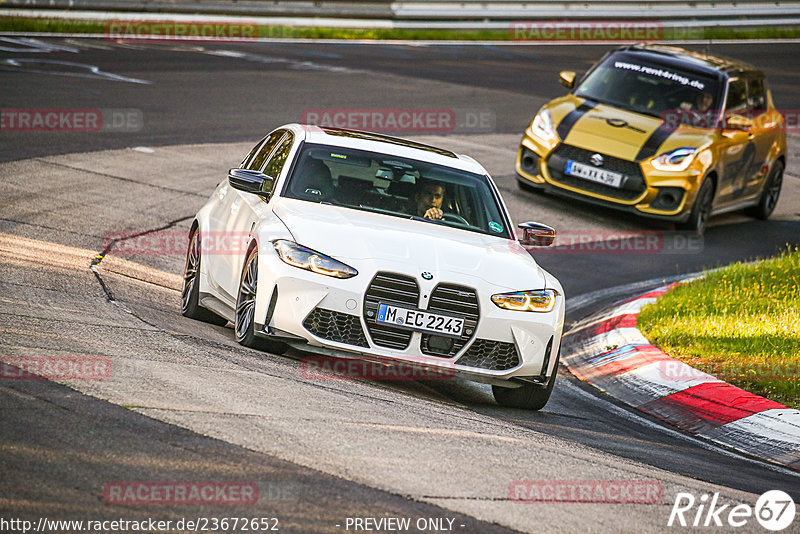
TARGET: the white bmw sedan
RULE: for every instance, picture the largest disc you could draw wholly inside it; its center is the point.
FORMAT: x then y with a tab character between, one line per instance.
358	245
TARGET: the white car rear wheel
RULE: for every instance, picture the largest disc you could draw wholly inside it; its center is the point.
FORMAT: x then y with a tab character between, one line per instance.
190	294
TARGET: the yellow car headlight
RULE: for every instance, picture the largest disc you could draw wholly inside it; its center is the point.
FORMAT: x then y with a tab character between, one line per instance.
541	300
677	160
542	126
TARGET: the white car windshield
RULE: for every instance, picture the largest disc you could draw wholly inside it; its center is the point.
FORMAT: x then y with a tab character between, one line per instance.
395	186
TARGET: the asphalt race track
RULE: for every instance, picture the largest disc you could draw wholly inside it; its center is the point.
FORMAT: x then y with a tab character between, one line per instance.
185	402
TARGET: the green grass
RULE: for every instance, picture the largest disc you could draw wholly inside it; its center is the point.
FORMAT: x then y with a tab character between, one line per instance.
43	25
742	32
741	324
18	24
12	24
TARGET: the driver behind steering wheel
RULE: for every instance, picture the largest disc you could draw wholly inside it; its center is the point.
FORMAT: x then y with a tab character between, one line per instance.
429	198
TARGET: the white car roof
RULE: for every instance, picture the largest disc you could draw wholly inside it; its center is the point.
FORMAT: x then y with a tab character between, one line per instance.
385	144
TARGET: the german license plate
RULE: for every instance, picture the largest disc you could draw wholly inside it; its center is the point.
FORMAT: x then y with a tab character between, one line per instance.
601	176
419	320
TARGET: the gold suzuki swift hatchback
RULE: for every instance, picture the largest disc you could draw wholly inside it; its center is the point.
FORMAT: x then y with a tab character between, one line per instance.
662	132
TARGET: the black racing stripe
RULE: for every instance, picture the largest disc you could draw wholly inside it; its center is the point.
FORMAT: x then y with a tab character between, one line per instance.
654	142
572	117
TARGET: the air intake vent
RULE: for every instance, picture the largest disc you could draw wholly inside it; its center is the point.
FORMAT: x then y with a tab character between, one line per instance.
492	355
633	184
336	326
389	288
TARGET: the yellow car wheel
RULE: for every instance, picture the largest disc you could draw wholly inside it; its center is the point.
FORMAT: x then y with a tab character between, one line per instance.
769	198
701	209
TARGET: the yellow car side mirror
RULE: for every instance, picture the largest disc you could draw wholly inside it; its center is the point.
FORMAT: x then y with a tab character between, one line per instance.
567	78
738	122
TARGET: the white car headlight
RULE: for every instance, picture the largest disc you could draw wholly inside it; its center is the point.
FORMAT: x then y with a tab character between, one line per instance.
543	300
311	260
542	126
676	160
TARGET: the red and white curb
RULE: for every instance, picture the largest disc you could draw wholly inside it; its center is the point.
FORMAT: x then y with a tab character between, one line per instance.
609	352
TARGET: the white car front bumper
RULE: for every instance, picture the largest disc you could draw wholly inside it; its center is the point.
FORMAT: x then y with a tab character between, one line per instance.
336	317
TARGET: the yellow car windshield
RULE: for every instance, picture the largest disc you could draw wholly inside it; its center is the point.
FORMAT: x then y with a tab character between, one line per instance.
625	81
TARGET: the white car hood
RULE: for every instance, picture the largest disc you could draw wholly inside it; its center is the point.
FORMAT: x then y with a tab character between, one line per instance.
354	236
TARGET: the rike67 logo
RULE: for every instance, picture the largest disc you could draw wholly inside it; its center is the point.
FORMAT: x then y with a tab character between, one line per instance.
774	510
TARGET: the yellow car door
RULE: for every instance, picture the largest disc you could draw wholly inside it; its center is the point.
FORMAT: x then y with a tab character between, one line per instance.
767	124
737	147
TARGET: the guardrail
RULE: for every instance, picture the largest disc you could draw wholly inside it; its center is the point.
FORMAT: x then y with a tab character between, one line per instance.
593	9
369	9
433	10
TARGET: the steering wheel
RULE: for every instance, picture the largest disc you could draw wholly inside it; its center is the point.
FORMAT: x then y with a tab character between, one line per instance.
454	217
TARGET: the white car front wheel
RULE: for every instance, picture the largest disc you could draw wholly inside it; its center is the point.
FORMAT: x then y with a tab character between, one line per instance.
244	320
527	397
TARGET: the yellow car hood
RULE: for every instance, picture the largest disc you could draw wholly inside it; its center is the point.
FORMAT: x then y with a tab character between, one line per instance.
613	131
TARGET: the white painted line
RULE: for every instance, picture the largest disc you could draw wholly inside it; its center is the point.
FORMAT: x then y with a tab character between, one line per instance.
783	423
628	308
70	68
608	341
34	46
632	416
587	300
634	306
670	376
634	390
774	433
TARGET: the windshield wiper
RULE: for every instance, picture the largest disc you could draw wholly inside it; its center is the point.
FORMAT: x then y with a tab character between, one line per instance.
648	113
593	99
619	105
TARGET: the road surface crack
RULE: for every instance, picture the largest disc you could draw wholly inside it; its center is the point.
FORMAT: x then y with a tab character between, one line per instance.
99	258
121	178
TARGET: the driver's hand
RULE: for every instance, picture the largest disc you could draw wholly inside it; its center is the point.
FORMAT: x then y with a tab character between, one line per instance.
434	213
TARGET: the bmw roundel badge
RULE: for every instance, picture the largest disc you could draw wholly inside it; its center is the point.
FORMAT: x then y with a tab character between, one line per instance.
427	276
